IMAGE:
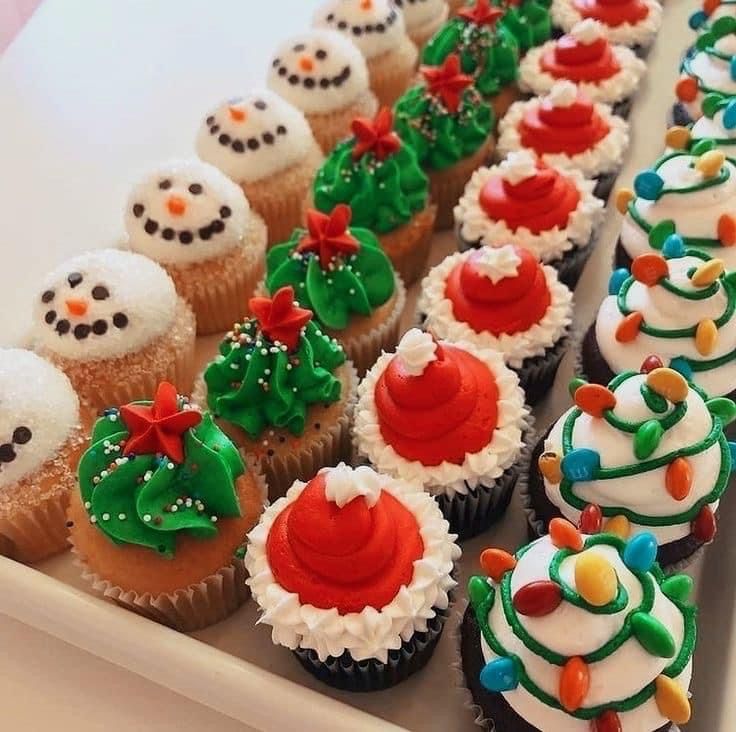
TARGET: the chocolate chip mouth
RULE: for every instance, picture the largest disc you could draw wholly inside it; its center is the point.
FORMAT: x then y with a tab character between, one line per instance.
365	28
98	327
242	144
310	82
185	236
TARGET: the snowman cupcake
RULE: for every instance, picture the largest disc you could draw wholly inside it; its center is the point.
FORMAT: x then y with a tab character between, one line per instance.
266	146
377	28
423	18
40	442
112	321
197	224
323	74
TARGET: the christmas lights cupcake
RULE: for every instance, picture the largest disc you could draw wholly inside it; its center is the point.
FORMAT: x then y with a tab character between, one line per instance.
449	418
162	509
634	23
423	18
528	20
324	74
647	453
344	277
685	194
605	72
710	67
449	126
197	224
711	11
41	440
715	130
550	211
282	390
502	299
353	572
378	175
266	146
576	633
377	28
112	322
565	128
487	51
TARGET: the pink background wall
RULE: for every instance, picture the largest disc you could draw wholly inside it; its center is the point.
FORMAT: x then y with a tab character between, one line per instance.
13	15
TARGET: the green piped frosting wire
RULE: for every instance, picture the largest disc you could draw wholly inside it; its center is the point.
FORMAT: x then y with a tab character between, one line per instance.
483	608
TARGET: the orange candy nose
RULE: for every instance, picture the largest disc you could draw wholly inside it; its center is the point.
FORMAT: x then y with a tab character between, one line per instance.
366	4
77	306
306	63
176	205
237	114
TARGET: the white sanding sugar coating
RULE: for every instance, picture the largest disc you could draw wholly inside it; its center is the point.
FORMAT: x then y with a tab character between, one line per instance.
103	304
375	27
38	411
252	137
185	211
418	12
319	71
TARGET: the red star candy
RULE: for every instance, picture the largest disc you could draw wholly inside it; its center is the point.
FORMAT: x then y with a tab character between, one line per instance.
280	319
375	135
160	426
482	13
447	81
329	235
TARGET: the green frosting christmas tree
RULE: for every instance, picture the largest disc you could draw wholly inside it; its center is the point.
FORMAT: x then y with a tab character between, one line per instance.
528	20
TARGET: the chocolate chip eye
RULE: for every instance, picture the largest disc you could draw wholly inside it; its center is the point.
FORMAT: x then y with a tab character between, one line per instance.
120	320
138	210
195	189
260	104
47	296
74	279
299	47
100	292
21	435
165	184
321	54
7	453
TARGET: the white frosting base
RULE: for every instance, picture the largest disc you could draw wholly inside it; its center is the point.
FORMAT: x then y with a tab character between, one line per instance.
138	288
35	395
478	468
441	321
706	127
280	130
620	86
419	12
645	493
623	674
605	156
370	633
341	53
711	72
548	245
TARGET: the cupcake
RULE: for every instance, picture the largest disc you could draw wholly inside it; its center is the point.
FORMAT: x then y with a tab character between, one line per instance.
550	211
710	11
40	442
715	130
378	175
267	147
282	390
529	21
197	224
633	23
344	277
169	552
113	323
353	572
706	69
423	18
323	74
377	28
684	194
578	633
446	417
605	72
566	129
647	453
502	299
487	51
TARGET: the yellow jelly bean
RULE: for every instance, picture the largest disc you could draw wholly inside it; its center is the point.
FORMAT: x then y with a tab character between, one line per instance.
709	163
706	337
618	525
672	700
595	579
549	466
677	137
668	383
623	196
707	273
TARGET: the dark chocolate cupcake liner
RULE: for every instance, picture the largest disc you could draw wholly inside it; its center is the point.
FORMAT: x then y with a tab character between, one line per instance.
621	258
604	185
537	374
623	108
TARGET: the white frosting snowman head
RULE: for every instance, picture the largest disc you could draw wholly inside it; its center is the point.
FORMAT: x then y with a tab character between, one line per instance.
103	304
375	26
38	410
252	137
319	71
418	12
185	211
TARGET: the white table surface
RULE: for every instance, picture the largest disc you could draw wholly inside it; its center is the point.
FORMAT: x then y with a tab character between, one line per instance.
93	92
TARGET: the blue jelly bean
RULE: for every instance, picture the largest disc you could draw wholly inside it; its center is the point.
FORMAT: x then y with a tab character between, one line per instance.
680	364
732	450
499	675
617	279
581	464
674	246
648	185
729	115
697	19
640	552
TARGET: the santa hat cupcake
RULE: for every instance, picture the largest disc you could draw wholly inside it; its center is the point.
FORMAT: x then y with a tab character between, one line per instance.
324	74
266	146
353	572
423	18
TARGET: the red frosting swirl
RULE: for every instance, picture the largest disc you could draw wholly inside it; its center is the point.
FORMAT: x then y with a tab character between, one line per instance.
449	410
348	558
570	59
613	12
540	203
571	130
510	306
